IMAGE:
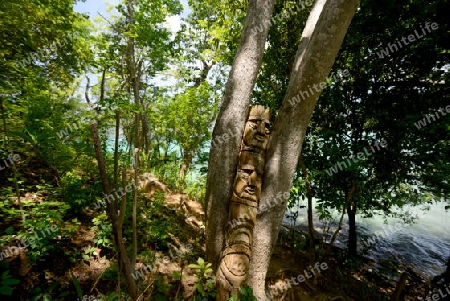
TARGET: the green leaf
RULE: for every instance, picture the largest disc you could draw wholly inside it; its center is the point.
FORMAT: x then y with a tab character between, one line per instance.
193	266
77	286
10	281
47	297
6	290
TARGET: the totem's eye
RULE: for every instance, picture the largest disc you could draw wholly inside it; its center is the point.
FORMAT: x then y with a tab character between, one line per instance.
267	127
242	174
245	173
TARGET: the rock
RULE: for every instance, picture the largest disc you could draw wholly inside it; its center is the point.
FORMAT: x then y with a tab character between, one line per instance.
151	184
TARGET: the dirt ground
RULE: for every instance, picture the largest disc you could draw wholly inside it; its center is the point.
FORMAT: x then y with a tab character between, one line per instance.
337	282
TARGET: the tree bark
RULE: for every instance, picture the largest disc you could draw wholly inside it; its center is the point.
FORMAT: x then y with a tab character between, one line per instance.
188	156
333	238
312	247
400	287
116	151
351	212
321	39
124	262
134	82
231	118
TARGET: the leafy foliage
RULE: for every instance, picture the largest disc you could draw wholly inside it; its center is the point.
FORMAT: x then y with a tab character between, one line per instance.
7	283
78	192
103	230
204	281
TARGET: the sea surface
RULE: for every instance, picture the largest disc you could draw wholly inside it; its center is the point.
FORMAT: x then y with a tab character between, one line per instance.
424	245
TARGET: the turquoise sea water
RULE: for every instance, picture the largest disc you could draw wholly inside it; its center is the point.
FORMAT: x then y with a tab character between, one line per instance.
425	244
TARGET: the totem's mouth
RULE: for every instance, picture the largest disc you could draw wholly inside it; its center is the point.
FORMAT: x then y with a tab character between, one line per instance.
260	137
250	190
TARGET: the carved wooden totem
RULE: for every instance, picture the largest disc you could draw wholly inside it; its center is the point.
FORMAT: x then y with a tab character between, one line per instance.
234	261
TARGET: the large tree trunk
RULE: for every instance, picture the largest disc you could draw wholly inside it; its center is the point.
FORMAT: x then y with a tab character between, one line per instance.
321	40
231	118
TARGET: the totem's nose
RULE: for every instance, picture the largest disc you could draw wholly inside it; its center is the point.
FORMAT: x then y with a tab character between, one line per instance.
252	179
261	128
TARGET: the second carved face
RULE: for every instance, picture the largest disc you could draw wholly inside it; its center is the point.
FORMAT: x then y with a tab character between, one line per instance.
247	184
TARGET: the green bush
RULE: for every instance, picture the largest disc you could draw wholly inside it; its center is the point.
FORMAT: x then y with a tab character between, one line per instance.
78	193
6	281
169	174
196	189
103	230
204	287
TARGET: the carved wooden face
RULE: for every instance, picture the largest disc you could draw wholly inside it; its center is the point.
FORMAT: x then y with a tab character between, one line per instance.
237	264
257	128
248	184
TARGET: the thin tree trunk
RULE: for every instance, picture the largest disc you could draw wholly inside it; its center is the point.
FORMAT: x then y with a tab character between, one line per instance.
330	245
116	151
124	261
312	247
120	220
186	162
351	212
400	287
147	138
134	212
134	81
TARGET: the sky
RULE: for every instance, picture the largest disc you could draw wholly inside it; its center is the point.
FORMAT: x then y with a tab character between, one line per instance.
93	7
